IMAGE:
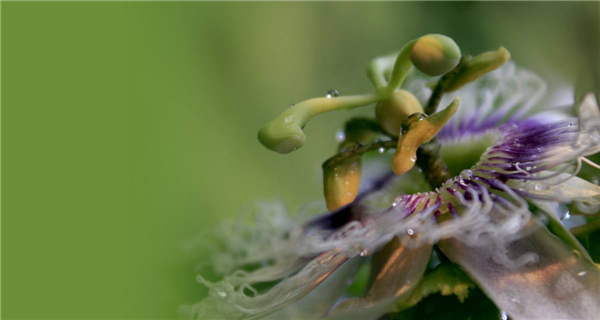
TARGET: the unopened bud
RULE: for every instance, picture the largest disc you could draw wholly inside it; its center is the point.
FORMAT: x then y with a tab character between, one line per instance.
391	112
435	54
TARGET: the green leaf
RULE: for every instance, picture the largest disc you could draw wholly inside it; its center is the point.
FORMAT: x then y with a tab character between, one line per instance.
436	306
446	279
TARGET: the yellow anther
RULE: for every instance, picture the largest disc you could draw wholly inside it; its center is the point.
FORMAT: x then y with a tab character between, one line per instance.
435	54
474	68
341	183
419	131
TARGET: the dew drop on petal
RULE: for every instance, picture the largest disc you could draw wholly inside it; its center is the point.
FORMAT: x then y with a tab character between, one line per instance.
222	294
467	174
567	216
413	159
582	273
289	118
364	252
503	315
332	93
397	200
410	232
381	150
340	136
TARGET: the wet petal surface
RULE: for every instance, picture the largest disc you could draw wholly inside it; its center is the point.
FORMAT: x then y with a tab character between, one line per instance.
558	284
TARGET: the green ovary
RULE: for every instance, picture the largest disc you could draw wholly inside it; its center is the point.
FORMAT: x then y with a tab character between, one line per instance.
465	153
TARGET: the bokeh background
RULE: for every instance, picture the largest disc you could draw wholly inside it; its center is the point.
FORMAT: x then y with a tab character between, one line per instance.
129	128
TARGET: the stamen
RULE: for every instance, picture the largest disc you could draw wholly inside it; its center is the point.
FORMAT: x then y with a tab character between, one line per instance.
590	162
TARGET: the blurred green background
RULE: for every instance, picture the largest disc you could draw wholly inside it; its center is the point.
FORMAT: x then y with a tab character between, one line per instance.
129	128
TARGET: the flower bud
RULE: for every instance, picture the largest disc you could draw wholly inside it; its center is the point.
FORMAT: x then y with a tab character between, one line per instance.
435	54
391	112
341	183
419	130
282	134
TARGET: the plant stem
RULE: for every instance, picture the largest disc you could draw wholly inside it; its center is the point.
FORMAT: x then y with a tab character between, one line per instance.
439	89
429	159
358	150
586	228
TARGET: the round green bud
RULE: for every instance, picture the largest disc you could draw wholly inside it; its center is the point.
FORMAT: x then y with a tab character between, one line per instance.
435	54
282	134
391	113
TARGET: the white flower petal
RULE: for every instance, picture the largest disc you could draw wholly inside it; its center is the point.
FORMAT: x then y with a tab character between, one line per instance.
562	187
398	269
559	284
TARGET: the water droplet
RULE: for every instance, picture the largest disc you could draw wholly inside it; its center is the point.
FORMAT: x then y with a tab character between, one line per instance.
539	187
413	159
289	118
468	174
528	168
340	136
503	315
582	273
222	294
381	150
364	252
567	216
410	232
332	93
397	200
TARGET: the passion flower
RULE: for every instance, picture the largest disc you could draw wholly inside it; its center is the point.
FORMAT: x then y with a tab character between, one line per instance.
489	182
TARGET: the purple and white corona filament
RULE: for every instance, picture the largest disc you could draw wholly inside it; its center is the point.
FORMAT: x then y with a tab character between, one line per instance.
481	220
